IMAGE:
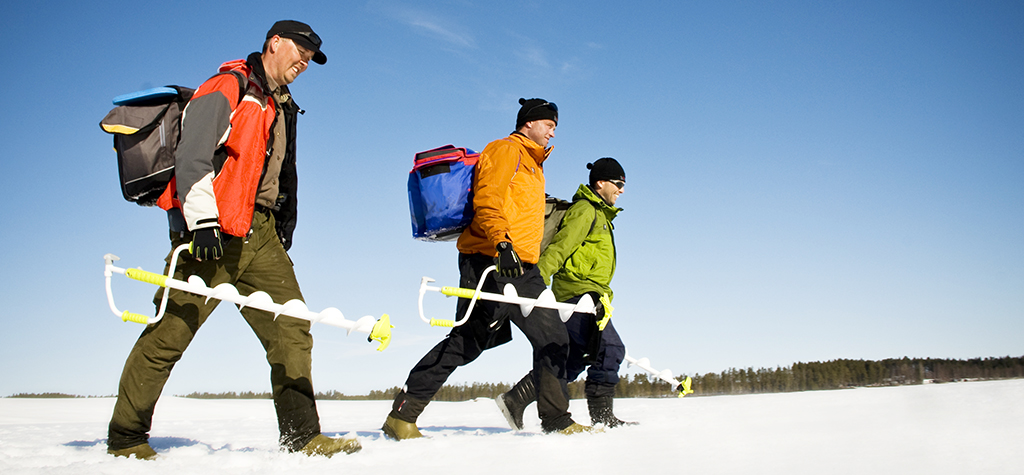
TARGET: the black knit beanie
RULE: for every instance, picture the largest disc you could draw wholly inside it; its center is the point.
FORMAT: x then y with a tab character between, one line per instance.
536	109
606	169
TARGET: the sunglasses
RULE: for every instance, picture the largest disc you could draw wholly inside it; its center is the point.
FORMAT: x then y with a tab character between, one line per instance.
550	105
309	35
619	183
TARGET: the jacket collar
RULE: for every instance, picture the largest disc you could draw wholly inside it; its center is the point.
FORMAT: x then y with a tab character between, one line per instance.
585	192
539	154
255	62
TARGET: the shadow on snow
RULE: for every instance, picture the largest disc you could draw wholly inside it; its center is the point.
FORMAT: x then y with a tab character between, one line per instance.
164	443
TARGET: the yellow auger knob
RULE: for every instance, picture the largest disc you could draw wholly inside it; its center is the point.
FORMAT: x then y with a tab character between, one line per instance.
684	387
607	304
381	332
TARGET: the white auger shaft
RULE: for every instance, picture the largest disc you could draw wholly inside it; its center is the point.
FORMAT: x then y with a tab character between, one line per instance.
682	386
546	299
379	330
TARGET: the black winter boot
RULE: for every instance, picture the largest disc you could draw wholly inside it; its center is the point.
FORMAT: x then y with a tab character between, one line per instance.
601	412
513	403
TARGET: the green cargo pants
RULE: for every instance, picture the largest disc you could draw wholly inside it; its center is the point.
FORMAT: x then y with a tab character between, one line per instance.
257	262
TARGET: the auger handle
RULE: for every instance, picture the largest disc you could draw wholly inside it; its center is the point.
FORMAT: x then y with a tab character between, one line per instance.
127	316
423	290
459	292
472	295
108	270
141	276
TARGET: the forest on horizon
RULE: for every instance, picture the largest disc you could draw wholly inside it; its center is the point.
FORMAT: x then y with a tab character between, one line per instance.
834	374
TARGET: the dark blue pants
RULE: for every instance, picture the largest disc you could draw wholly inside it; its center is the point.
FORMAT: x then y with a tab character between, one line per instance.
603	371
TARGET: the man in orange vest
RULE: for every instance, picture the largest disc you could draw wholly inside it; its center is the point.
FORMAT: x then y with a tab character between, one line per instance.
507	227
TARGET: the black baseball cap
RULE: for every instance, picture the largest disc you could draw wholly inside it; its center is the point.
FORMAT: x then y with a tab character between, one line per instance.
301	34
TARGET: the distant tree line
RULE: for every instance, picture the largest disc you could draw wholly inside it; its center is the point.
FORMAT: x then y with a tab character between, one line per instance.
838	374
228	395
450	392
44	395
329	395
835	374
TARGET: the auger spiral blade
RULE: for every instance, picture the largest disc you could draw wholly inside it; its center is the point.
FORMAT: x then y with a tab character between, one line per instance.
683	387
545	300
379	330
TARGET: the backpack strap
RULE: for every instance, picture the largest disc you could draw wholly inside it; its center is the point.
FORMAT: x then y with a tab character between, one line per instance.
592	223
243	83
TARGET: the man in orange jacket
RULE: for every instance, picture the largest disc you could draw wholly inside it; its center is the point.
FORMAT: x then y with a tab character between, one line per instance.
507	227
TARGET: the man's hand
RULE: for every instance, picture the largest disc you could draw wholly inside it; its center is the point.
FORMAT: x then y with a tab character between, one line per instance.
507	262
598	305
207	244
593	344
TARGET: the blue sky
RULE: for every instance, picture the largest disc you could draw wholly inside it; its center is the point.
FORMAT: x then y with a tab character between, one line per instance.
806	180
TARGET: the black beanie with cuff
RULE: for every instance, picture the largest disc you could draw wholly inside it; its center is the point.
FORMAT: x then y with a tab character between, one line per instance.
606	169
536	109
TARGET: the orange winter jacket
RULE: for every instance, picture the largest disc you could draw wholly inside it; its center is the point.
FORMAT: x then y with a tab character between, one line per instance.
508	199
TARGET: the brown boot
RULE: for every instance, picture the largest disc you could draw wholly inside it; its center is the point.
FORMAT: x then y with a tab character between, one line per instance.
328	446
580	429
142	452
401	422
400	430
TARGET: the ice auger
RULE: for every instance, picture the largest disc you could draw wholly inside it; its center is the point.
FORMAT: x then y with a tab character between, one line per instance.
379	330
546	299
682	386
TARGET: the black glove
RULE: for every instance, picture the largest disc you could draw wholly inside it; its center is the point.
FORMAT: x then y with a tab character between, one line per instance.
207	244
593	343
598	306
508	261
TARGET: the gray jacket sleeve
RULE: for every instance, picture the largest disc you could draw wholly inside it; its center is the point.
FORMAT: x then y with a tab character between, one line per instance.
205	125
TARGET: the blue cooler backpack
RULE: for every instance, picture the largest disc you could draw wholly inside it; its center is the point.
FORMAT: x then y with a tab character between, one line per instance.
441	193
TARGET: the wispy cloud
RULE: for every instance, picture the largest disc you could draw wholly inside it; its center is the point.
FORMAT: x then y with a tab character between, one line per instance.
533	56
428	24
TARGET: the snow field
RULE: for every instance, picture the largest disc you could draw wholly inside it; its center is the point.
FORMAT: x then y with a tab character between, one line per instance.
974	428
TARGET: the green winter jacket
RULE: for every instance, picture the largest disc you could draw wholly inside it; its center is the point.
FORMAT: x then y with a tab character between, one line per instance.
582	254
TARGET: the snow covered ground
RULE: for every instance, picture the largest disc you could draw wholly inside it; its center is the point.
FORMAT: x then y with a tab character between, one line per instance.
961	428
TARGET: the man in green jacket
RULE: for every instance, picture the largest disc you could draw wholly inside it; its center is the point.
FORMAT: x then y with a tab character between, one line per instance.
579	261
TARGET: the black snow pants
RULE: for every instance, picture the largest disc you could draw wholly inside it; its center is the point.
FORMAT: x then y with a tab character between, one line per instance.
488	327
